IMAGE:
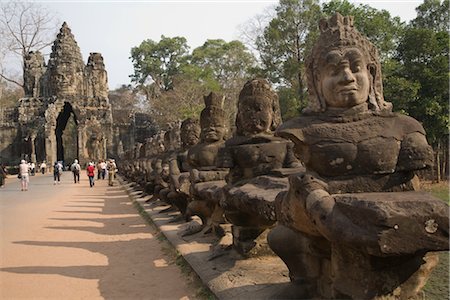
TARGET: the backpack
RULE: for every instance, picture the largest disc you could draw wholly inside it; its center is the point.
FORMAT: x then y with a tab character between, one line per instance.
75	167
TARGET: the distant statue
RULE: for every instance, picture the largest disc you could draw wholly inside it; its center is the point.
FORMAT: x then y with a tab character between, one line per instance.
179	167
34	69
258	163
205	177
345	228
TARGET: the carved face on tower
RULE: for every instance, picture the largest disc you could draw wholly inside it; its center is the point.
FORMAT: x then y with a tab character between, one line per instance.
258	109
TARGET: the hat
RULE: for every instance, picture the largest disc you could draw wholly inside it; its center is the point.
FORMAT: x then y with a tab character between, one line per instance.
22	161
75	161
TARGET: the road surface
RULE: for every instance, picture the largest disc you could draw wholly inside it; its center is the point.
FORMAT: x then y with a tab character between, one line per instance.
70	241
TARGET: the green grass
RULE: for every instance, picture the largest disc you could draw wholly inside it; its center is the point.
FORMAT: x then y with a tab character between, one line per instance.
441	192
437	287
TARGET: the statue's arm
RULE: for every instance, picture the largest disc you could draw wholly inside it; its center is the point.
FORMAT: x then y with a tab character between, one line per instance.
329	221
415	153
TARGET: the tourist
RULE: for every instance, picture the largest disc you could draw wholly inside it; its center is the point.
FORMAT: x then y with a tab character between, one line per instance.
75	168
43	167
112	168
99	169
33	169
90	173
57	170
23	175
3	174
103	167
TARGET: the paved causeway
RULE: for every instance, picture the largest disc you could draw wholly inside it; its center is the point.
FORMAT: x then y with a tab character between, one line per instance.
70	241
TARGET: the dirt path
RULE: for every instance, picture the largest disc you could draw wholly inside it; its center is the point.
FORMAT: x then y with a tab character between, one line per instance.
69	241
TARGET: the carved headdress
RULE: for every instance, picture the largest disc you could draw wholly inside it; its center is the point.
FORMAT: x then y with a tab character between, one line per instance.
213	113
336	33
190	132
260	89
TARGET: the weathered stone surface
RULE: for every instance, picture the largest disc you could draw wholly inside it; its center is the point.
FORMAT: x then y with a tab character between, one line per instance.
34	69
206	178
336	241
66	111
252	154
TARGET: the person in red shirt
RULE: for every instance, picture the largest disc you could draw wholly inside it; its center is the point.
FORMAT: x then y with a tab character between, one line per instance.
90	173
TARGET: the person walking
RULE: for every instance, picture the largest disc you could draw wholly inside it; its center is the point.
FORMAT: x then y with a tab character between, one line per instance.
24	175
3	174
103	166
75	168
99	169
33	169
112	168
90	173
43	167
57	170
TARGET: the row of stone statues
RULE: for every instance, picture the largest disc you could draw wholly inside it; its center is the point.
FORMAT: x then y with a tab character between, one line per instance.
332	192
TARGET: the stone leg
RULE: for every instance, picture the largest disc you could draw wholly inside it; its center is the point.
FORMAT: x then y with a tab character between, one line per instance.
308	261
363	276
199	208
179	200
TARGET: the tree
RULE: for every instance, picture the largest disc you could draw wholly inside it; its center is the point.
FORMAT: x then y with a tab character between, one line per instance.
254	27
124	97
223	61
223	67
432	14
423	60
183	101
285	43
156	63
24	27
377	25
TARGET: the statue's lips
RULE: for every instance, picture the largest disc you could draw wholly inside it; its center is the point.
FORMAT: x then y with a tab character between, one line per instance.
348	89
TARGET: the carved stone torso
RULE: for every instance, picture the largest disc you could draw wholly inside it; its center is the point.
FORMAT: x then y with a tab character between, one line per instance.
255	156
369	146
204	155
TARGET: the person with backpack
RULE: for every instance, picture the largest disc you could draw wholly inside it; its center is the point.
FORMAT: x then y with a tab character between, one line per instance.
90	173
57	171
112	169
75	168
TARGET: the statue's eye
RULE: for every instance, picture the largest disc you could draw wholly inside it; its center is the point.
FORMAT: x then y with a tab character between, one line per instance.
356	67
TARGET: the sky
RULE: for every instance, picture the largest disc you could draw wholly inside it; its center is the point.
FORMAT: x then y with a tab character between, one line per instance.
114	27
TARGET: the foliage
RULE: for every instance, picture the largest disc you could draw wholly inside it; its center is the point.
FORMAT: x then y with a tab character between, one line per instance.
223	61
377	25
284	45
24	27
432	14
185	78
156	63
225	68
424	57
122	97
183	101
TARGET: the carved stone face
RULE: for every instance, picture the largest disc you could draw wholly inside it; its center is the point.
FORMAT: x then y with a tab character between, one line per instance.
345	79
190	134
213	132
255	115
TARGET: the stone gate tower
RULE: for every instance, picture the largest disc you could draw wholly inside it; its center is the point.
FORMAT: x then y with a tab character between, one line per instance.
66	113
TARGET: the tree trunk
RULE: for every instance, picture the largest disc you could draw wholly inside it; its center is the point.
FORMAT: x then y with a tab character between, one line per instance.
299	74
438	162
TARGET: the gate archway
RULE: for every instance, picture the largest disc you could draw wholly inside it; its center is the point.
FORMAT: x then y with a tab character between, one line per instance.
66	132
